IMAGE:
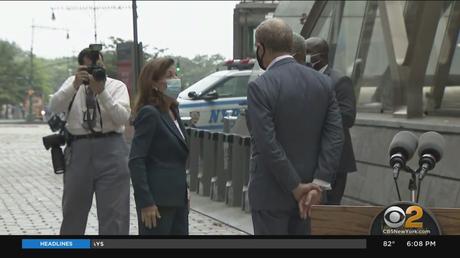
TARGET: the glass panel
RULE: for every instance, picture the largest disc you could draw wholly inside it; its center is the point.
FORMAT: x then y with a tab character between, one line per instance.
241	87
322	28
451	97
293	8
347	42
233	87
455	68
291	12
437	46
375	73
354	8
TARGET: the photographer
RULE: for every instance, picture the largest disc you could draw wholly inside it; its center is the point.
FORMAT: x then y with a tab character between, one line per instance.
96	156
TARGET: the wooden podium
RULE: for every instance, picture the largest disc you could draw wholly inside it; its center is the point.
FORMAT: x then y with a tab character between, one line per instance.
356	220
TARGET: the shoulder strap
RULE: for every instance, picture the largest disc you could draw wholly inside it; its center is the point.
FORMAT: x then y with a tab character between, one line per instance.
70	106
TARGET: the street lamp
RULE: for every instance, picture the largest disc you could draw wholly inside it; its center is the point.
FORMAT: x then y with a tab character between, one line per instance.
94	8
30	116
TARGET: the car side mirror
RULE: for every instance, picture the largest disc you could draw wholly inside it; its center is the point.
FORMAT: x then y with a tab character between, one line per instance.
192	95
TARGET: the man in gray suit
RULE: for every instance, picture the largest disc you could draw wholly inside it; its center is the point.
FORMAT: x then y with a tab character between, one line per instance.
296	128
318	51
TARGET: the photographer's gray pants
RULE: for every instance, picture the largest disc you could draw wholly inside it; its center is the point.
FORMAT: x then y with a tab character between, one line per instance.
98	165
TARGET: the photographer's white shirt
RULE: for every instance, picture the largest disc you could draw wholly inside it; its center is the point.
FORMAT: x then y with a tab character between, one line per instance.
113	102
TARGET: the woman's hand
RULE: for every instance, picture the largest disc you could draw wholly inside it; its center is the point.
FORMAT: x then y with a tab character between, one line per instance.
150	215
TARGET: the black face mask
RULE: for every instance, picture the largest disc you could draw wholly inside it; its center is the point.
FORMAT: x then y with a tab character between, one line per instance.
260	59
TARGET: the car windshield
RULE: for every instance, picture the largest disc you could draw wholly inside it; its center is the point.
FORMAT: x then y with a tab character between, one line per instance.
201	85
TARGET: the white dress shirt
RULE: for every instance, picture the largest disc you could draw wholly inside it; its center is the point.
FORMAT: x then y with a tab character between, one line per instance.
113	102
322	70
178	128
278	59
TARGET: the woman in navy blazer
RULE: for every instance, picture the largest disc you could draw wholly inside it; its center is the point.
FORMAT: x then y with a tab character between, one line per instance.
159	152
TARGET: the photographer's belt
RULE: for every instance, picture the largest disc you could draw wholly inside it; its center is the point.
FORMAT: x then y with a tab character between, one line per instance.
93	135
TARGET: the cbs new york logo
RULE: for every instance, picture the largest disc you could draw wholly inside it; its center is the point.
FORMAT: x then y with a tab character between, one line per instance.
404	219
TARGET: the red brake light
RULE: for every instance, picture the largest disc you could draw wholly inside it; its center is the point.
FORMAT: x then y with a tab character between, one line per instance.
245	61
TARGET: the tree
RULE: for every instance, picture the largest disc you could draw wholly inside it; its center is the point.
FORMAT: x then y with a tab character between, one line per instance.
14	76
49	74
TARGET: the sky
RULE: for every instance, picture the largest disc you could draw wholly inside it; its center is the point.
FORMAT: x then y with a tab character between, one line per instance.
185	28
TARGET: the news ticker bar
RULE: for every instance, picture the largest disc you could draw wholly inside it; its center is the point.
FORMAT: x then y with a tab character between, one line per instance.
194	243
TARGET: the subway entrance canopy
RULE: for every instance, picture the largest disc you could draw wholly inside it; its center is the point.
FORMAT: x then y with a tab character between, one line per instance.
403	56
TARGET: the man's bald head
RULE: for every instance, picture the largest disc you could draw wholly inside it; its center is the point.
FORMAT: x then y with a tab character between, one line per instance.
298	47
275	34
318	49
315	45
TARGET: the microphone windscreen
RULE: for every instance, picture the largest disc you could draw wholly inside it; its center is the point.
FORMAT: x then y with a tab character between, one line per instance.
405	143
432	143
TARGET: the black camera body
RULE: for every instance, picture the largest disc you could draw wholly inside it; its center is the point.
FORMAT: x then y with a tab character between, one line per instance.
55	141
56	123
98	72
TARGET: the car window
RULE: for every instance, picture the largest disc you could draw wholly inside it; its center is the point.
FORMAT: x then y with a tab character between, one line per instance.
233	87
202	84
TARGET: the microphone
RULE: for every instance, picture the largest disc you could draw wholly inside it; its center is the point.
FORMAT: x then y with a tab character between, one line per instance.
402	148
430	151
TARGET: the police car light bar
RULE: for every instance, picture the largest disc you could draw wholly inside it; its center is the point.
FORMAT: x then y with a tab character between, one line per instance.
240	64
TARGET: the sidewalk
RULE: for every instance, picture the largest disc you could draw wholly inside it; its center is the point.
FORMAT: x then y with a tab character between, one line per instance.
30	192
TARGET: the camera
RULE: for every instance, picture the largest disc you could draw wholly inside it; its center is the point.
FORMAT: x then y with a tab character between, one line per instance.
97	71
55	141
56	123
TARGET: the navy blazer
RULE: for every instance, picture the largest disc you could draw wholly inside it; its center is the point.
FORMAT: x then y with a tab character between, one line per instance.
296	128
347	103
157	159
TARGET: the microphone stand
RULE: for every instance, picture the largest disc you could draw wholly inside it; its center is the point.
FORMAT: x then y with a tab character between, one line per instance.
414	184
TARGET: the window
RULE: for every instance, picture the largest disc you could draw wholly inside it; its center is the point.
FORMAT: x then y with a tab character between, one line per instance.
233	87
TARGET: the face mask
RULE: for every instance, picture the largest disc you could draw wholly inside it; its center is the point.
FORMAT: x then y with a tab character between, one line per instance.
308	60
173	88
260	59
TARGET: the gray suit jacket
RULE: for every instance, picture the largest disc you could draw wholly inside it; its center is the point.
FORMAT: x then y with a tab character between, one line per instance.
157	160
347	103
296	128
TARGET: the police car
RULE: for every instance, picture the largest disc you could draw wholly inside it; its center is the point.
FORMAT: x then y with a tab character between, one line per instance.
207	101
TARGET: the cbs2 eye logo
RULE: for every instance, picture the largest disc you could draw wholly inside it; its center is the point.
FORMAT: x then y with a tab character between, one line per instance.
396	217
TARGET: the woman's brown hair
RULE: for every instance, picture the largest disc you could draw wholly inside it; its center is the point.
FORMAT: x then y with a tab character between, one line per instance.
146	94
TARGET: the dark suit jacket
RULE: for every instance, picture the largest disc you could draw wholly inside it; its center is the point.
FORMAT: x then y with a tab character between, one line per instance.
157	160
296	128
347	102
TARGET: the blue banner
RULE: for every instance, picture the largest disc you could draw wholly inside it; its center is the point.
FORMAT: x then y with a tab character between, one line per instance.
56	243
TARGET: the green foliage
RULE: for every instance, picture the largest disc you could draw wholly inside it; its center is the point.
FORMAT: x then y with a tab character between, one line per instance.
193	70
49	74
14	73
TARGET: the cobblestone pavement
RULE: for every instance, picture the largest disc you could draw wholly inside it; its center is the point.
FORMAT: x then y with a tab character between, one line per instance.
30	192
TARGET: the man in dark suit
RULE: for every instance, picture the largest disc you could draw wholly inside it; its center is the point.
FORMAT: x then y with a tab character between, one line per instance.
318	52
296	129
